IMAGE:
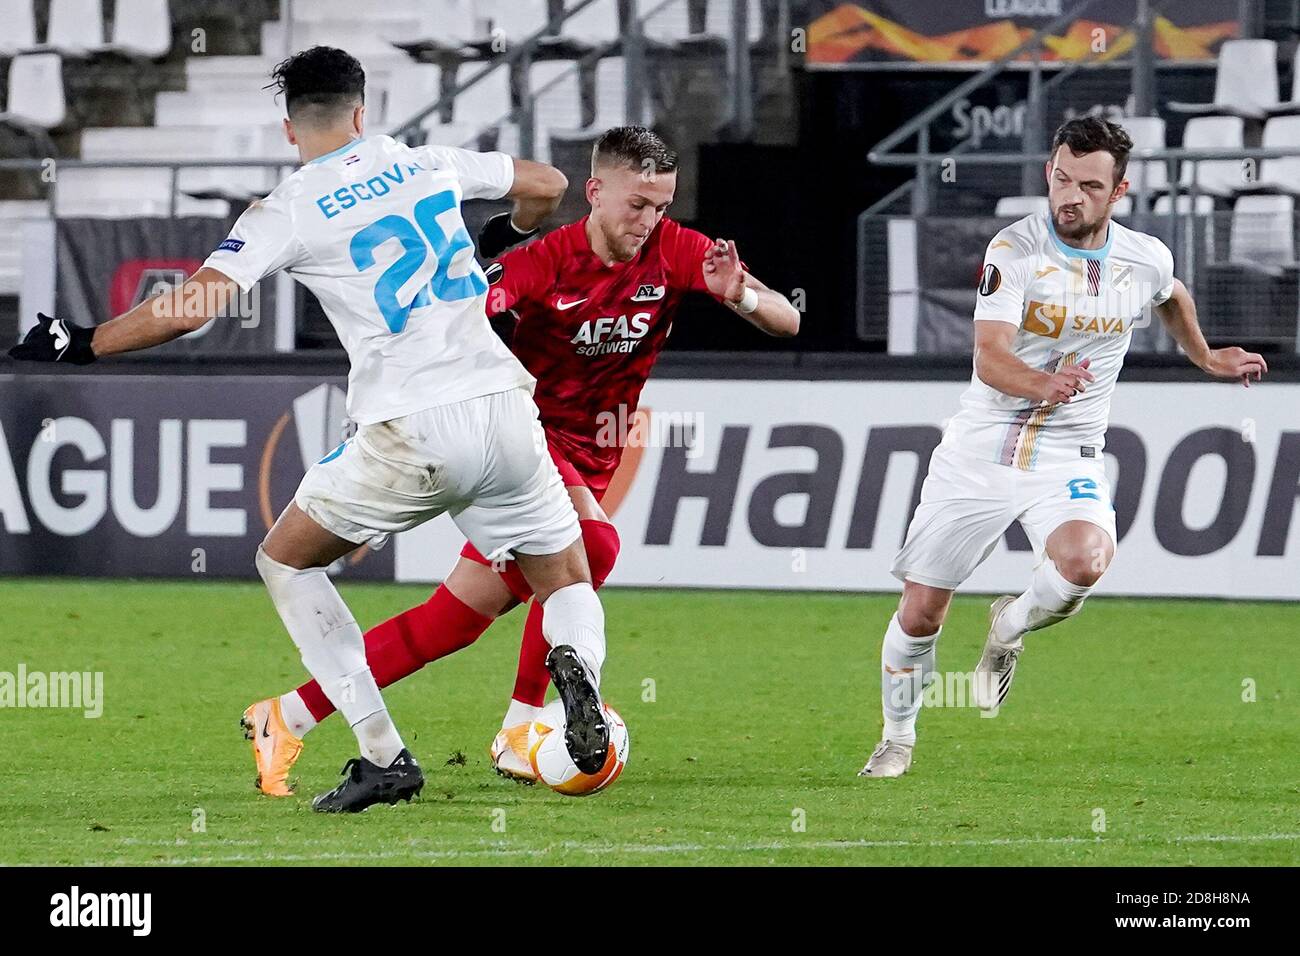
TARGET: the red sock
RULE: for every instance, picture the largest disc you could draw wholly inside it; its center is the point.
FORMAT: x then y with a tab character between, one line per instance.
601	541
533	678
403	644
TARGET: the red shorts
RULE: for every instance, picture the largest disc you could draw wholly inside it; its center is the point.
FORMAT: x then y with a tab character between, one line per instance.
598	483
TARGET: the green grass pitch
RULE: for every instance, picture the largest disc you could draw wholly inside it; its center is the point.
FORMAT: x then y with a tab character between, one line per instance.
764	708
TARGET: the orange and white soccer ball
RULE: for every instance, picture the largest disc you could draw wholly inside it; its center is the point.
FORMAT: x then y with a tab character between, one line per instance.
549	754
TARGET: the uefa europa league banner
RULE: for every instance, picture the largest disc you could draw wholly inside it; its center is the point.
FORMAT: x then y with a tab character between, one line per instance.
158	476
107	266
873	33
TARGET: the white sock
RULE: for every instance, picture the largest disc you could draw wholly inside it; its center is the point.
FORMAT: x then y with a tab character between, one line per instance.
333	651
1048	600
296	714
519	713
573	615
910	659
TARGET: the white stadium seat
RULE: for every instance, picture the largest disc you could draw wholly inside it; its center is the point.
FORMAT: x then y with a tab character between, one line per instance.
1017	207
669	24
487	101
1123	207
1219	177
36	91
76	27
19	33
124	193
1149	176
1263	230
1182	205
559	102
1245	82
594	25
1283	174
411	90
717	19
142	28
515	20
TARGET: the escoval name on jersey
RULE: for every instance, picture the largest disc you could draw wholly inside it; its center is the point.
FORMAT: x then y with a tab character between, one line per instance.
345	197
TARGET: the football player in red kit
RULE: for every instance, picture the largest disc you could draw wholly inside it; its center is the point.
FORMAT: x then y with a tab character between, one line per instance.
594	303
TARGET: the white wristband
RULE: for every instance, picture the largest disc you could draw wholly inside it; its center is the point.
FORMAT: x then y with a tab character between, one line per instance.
748	302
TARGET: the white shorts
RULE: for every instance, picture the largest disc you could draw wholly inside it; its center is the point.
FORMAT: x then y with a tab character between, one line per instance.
968	503
483	460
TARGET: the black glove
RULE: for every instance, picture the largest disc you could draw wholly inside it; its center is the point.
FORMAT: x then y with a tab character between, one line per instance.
499	234
53	340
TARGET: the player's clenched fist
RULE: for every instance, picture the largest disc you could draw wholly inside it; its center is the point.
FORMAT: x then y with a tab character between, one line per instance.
1235	362
1067	382
53	340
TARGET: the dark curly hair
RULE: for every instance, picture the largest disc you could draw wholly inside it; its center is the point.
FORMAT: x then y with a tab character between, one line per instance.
635	147
1091	134
320	83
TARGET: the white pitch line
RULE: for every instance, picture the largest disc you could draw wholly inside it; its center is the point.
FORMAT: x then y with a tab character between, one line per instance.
570	846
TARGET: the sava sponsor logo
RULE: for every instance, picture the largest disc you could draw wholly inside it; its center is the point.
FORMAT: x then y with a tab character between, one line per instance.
605	335
75	908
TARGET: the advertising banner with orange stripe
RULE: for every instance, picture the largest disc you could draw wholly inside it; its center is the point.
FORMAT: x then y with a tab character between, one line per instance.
798	485
876	33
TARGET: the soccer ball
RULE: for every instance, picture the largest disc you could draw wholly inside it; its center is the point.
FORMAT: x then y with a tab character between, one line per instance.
549	754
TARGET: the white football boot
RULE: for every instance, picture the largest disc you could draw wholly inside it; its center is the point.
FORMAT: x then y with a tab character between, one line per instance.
888	760
997	666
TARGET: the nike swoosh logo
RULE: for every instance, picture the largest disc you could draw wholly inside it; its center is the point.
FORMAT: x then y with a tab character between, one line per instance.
561	305
264	726
61	337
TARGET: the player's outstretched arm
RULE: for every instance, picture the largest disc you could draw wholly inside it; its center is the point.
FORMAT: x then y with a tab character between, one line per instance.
164	317
537	191
743	294
997	367
1178	313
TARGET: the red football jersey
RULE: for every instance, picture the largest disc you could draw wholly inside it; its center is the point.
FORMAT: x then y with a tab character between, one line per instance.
590	333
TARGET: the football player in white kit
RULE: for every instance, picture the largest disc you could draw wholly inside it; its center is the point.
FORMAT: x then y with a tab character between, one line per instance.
1057	300
444	412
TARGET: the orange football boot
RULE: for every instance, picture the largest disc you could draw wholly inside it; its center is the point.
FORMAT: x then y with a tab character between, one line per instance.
275	748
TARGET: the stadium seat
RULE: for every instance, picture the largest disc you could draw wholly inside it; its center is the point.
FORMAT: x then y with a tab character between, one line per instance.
1182	205
142	28
1017	207
1245	82
484	103
76	27
444	25
19	19
1292	105
666	24
717	19
595	25
1263	231
124	193
36	91
1219	177
1150	176
1281	174
1123	207
554	84
411	90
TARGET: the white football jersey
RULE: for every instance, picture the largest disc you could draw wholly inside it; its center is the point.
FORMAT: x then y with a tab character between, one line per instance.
1069	305
374	229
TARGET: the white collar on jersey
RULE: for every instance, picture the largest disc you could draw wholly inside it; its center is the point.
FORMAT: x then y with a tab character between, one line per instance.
350	144
1101	253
